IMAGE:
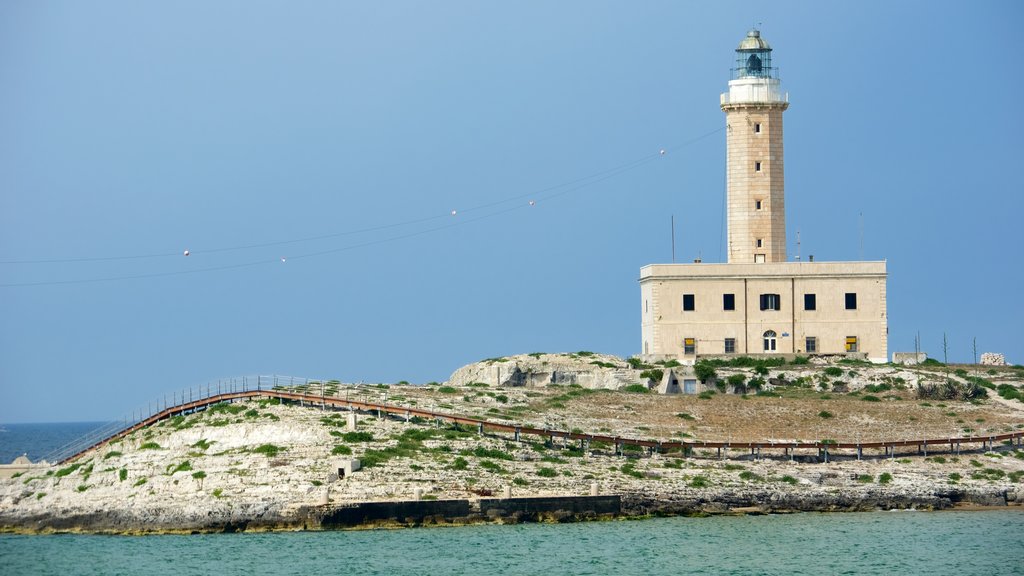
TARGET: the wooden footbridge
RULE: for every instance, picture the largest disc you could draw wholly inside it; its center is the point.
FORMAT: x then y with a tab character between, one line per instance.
316	393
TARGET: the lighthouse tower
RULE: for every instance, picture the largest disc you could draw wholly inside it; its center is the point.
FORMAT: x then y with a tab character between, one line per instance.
753	109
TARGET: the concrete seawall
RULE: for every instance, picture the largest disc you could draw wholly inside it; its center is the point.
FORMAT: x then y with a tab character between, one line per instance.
437	512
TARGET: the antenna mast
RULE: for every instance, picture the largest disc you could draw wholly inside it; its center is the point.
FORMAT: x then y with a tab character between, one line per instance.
673	238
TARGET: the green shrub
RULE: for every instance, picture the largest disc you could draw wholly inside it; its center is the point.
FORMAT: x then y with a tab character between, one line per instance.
199	475
750	476
492	466
341	449
685	416
547	472
357	437
149	446
699	482
481	452
202	444
111	454
630	469
139	482
122	474
520	482
636	363
653	374
706	395
833	371
218	492
459	463
636	389
825	414
447	390
268	450
705	371
65	471
183	467
954	477
884	478
865	478
789	480
870	398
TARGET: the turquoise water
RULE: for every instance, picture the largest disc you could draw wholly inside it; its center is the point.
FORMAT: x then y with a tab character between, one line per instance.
955	543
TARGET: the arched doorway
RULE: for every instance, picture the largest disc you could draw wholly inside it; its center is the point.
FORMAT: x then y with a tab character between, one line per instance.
769	341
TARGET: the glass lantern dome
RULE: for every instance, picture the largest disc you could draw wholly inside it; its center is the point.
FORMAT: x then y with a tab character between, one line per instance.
754	58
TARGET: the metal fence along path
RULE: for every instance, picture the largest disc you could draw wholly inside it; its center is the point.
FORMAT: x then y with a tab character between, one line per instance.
334	394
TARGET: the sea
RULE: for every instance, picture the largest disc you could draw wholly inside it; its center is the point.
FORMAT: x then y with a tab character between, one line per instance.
906	542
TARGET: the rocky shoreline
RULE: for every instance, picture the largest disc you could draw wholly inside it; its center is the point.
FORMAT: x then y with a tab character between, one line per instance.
266	465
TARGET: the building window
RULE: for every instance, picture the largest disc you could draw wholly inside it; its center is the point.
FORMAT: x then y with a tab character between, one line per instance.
851	300
645	306
757	166
647	347
757	128
730	345
810	303
687	302
728	301
760	243
769	341
771	302
757	204
851	344
689	345
811	344
758	258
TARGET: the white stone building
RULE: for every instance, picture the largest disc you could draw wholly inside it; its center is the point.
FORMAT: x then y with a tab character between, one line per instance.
758	302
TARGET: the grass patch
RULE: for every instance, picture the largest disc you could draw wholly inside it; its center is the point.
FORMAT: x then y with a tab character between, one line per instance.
884	478
547	472
825	414
202	444
112	454
492	466
870	398
65	471
122	474
699	482
481	452
750	476
685	416
447	390
268	450
139	482
357	437
636	389
865	478
789	480
341	449
149	446
183	467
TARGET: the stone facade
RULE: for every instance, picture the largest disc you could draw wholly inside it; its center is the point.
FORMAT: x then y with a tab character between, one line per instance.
684	302
756	198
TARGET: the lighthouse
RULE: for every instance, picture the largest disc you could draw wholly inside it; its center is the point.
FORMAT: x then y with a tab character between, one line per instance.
753	109
757	302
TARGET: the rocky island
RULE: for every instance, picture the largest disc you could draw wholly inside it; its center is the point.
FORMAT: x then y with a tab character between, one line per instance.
264	462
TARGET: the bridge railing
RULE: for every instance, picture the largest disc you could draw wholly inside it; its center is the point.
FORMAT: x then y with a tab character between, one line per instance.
176	398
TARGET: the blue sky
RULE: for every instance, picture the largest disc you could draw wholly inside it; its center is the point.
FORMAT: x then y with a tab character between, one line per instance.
149	128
